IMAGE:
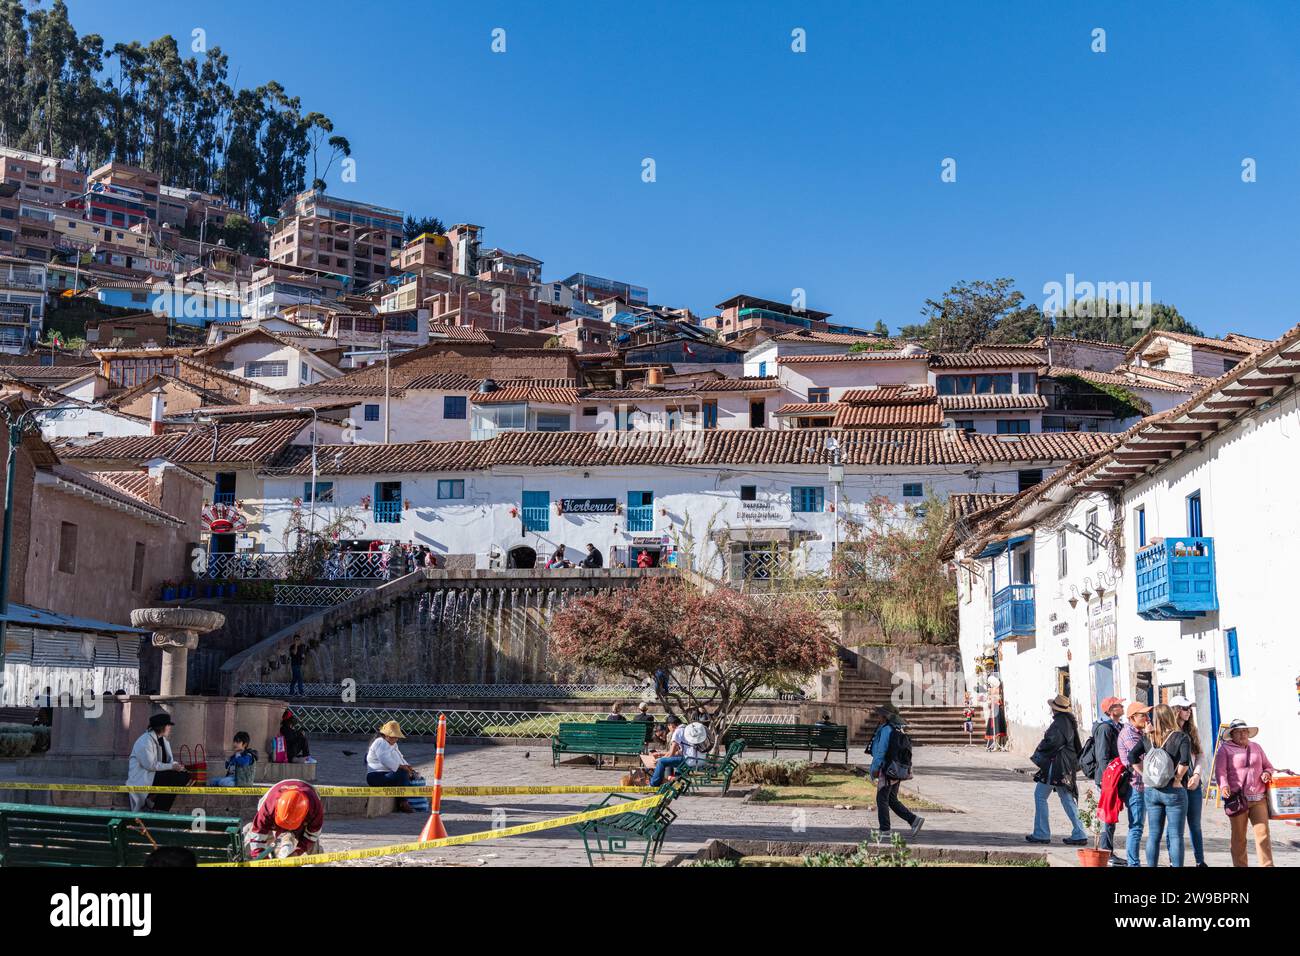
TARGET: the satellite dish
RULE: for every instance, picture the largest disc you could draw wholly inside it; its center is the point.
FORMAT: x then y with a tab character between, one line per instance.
831	445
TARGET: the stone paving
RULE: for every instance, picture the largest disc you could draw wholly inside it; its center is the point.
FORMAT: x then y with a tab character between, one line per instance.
991	796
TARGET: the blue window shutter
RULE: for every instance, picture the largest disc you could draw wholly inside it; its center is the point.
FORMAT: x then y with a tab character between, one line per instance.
1234	653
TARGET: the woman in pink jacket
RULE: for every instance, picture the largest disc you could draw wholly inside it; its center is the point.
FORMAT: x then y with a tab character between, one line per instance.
1242	771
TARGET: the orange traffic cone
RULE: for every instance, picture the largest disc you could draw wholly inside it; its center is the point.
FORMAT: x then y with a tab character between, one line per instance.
433	829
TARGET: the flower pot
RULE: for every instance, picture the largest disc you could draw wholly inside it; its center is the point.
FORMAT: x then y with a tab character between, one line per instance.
187	592
169	594
1091	857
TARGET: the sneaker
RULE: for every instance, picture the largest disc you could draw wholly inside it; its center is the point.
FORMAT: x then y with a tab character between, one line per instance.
1117	861
1034	839
916	827
1072	841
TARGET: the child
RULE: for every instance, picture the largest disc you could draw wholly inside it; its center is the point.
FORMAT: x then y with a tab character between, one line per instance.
239	768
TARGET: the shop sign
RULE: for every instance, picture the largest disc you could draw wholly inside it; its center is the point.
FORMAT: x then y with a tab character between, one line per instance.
589	506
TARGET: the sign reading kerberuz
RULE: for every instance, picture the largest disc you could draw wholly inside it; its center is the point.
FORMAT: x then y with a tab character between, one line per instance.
223	519
589	506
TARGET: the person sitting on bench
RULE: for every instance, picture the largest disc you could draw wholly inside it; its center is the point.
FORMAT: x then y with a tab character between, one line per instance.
152	765
683	748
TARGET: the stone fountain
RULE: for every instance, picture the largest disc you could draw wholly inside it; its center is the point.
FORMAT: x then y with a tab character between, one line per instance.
176	632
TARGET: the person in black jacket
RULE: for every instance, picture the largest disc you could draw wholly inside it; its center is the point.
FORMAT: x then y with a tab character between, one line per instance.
1105	744
1057	760
594	558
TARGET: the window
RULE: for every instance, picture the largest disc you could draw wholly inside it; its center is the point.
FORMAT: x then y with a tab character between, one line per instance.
1029	478
1234	652
451	488
137	567
1013	426
1194	526
388	502
224	493
749	492
1094	548
266	369
1140	526
762	370
709	412
1062	554
640	511
1028	383
537	511
808	498
324	491
757	413
590	411
1229	364
966	424
68	547
304	373
372	413
552	422
453	406
819	394
912	489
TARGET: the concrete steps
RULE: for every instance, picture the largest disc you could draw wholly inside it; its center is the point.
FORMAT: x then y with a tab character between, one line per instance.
925	725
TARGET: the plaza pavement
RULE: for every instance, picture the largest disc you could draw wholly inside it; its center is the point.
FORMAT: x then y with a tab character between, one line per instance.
991	794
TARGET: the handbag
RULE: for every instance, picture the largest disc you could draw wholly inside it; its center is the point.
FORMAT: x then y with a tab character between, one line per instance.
196	766
1235	804
279	750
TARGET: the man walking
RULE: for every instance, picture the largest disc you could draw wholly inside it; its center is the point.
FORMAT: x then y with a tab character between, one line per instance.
1057	760
1129	737
891	764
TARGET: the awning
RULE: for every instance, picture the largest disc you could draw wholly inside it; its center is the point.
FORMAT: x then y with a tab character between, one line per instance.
993	549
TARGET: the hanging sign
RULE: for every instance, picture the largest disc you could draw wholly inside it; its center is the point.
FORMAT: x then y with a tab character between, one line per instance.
589	506
222	519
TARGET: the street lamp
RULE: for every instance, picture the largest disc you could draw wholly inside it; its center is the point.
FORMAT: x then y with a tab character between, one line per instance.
17	425
314	416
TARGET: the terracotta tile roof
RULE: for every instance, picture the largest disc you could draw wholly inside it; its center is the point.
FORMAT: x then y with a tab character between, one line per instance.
883	355
443	382
208	396
759	446
1110	378
1237	344
1183	380
988	403
829	338
527	393
254	442
457	333
1040	342
97	483
636	394
745	384
268	409
889	395
1248	340
989	358
892	415
966	505
211	371
134	483
817	409
43	375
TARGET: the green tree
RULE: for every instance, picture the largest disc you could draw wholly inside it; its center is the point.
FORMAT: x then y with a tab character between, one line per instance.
414	227
966	315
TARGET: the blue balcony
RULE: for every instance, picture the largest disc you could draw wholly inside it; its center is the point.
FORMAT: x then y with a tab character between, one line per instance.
223	497
1013	612
1175	579
388	512
641	518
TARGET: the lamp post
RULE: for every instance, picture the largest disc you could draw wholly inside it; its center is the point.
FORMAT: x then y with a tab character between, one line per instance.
311	525
17	424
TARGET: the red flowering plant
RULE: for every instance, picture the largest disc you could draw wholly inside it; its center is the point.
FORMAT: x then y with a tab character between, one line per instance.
719	647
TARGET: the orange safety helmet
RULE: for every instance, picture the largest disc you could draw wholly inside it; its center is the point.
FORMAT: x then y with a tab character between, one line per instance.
291	809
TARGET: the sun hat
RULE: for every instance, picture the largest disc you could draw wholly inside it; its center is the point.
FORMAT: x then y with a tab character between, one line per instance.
392	729
1240	724
1181	701
695	734
1060	703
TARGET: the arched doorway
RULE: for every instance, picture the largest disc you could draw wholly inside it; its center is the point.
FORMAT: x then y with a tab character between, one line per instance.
521	557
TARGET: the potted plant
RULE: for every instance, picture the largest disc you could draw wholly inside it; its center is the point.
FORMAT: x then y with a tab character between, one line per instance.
1090	817
168	590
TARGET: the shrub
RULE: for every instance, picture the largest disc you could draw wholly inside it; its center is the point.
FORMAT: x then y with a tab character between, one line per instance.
42	734
776	773
17	745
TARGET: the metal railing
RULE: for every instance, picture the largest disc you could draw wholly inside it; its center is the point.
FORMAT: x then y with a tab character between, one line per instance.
432	692
641	518
388	512
284	565
419	722
315	595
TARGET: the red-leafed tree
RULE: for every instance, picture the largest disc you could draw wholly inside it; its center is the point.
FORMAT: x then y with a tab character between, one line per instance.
718	647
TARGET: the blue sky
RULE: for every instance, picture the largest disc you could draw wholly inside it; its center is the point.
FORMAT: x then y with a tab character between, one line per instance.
820	170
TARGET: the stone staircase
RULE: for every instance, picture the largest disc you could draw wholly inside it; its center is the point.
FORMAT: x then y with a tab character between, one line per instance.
925	725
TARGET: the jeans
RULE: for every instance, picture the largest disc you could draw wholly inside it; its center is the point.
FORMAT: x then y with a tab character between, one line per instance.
886	800
1137	814
1195	804
1042	827
296	680
226	781
662	766
388	778
1166	805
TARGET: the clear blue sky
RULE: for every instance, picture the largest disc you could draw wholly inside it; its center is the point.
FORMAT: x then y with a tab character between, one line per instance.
818	170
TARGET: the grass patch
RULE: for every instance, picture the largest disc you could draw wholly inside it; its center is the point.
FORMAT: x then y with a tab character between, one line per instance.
832	786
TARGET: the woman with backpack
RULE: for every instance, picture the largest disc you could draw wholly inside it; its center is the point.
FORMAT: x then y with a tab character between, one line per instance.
1185	714
1242	771
891	764
1163	757
1057	760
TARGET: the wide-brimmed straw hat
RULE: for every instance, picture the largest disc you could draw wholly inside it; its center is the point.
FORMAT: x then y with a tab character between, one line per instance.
1240	724
1060	703
392	729
695	734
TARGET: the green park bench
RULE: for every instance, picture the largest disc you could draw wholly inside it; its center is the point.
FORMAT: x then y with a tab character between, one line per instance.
715	770
807	737
33	835
636	833
601	738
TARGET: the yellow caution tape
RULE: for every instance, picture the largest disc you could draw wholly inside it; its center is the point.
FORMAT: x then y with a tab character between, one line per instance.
630	806
323	791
